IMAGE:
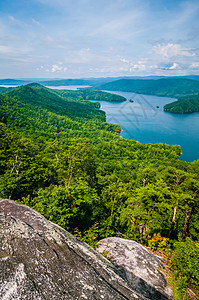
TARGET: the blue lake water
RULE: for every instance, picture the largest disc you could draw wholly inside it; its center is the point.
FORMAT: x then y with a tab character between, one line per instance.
143	121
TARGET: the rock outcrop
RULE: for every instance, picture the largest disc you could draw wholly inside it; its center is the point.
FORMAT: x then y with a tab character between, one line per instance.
141	269
40	260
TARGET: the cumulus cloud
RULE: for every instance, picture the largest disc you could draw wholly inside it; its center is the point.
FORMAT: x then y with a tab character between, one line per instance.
133	66
139	66
58	67
174	66
171	50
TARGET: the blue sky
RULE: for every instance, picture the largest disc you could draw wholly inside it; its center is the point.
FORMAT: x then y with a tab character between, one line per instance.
92	38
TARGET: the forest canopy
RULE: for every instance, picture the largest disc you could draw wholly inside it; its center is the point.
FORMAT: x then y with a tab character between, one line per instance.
184	105
60	157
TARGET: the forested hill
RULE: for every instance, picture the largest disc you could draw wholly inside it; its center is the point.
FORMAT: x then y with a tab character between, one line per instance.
59	156
90	94
171	87
6	89
36	95
64	102
184	105
37	110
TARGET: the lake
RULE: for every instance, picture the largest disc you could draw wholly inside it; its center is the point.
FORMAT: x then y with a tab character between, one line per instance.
145	121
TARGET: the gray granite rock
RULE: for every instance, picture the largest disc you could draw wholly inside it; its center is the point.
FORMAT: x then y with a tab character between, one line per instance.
40	260
141	269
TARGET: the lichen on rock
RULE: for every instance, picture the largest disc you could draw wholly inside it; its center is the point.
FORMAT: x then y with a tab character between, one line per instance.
141	269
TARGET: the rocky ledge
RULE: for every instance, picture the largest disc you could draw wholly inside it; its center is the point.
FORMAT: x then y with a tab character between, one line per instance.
40	260
141	269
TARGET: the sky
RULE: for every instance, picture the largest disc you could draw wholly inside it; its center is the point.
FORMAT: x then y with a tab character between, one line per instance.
98	38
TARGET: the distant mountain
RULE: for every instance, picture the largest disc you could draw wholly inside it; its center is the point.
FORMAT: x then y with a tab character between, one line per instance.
86	81
173	87
65	82
194	77
13	82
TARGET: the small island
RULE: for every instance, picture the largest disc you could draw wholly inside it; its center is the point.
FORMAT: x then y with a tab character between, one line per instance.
185	90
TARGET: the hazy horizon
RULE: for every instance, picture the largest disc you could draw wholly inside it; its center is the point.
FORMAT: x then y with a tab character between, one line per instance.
96	78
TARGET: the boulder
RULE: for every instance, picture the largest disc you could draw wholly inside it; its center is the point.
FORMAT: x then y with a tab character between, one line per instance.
40	260
141	269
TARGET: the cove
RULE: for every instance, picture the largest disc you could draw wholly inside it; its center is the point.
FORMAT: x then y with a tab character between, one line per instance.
145	121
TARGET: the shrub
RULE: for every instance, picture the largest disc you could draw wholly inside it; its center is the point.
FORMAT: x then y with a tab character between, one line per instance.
185	261
159	243
90	236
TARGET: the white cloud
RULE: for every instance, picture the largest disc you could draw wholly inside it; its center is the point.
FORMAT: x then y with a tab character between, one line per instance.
174	66
58	67
125	60
171	50
194	65
140	66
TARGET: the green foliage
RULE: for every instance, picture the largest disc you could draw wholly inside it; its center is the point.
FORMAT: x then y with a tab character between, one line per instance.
90	94
59	156
5	90
185	261
38	96
68	206
184	105
105	253
91	236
